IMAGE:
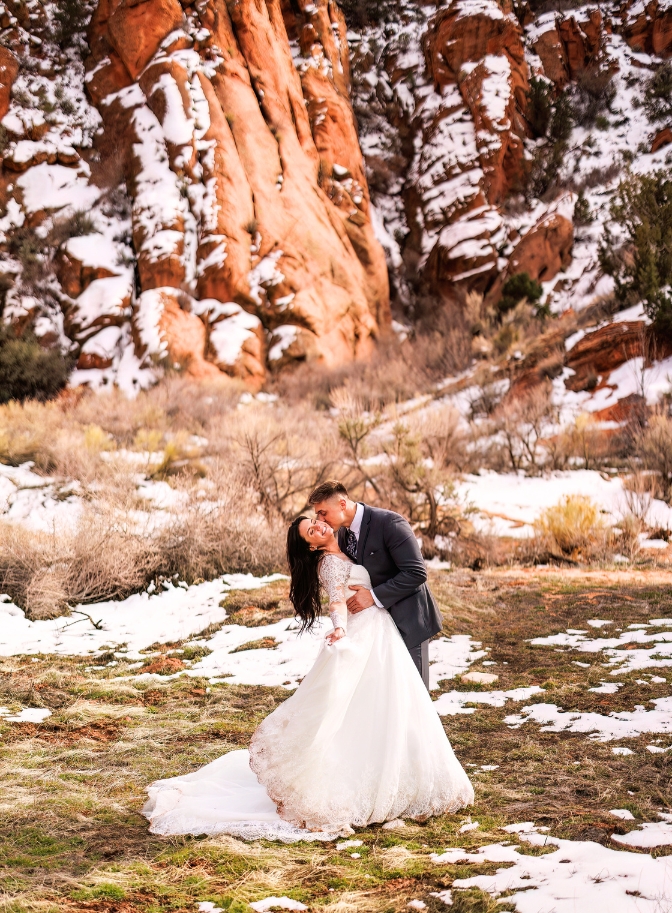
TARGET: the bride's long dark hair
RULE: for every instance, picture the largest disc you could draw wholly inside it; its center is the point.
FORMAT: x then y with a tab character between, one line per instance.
304	589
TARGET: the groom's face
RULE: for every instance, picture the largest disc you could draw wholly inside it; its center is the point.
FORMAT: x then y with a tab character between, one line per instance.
332	511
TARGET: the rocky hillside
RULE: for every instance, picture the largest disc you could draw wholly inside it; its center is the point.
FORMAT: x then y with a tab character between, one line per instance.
217	185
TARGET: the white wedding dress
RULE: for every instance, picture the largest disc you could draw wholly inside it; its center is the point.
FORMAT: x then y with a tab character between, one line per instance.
359	742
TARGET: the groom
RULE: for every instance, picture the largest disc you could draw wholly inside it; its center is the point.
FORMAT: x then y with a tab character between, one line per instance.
385	544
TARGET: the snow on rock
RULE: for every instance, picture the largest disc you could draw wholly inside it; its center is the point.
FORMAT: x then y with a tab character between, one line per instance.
104	300
56	187
621	725
576	877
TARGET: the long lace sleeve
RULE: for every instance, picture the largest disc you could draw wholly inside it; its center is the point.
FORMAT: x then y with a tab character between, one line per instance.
334	576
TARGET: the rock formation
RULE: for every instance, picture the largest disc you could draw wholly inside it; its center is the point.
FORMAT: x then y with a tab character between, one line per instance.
250	241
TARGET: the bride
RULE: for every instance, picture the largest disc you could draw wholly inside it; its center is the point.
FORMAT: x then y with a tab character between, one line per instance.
359	742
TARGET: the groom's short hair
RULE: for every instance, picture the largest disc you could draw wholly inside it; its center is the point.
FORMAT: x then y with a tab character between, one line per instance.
327	490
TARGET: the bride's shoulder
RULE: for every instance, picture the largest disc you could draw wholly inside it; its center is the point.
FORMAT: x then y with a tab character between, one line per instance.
332	564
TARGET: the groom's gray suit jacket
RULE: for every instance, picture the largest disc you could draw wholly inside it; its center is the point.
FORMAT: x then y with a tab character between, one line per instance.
390	552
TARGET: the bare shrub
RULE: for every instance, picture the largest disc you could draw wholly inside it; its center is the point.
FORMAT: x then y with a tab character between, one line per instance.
654	447
627	532
283	455
639	490
442	435
117	550
582	443
573	526
397	372
223	533
523	422
595	93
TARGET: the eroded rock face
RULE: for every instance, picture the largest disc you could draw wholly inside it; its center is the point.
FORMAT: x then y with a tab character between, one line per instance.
9	69
479	47
648	28
246	177
231	217
568	44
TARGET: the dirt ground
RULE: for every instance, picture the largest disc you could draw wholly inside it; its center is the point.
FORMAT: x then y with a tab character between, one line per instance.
72	838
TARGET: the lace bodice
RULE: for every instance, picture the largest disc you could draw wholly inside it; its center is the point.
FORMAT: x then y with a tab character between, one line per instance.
336	575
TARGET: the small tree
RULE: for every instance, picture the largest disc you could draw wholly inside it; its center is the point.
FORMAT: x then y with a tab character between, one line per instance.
582	213
658	94
519	288
642	266
539	106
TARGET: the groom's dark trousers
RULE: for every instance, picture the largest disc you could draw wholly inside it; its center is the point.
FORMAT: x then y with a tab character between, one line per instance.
388	549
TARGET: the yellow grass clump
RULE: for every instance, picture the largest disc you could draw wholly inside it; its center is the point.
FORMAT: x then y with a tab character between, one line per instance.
574	525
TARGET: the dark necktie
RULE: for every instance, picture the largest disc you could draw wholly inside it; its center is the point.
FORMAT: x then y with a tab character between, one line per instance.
351	545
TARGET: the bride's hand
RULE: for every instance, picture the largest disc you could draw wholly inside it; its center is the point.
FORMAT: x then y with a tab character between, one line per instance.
334	636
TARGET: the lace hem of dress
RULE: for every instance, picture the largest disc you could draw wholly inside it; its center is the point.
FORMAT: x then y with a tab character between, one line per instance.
282	832
289	806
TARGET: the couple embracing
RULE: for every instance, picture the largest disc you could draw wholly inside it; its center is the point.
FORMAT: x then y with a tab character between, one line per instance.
359	742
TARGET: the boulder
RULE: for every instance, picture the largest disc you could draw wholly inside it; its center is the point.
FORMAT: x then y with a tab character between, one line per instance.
466	253
551	51
544	250
235	340
599	353
649	28
541	253
582	40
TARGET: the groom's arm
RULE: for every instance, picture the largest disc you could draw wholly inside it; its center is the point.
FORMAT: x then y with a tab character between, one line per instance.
405	552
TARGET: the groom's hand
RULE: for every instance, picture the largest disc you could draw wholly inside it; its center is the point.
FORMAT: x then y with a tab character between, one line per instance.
361	600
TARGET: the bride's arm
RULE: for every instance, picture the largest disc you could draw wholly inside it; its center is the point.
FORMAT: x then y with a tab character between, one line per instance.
333	576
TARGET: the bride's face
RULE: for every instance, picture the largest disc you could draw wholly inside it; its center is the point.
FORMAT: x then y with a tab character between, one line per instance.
316	533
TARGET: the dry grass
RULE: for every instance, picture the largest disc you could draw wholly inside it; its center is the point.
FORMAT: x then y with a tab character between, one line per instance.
574	526
71	837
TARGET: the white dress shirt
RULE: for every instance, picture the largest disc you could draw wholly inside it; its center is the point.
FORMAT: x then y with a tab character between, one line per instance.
355	527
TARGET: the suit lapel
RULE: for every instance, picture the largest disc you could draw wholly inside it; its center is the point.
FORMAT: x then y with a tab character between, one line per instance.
363	534
340	538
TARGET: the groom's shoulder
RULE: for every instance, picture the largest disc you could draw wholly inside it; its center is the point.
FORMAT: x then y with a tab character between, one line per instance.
382	515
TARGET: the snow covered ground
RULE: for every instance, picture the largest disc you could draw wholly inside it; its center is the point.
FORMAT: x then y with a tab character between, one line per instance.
507	504
621	654
577	876
278	655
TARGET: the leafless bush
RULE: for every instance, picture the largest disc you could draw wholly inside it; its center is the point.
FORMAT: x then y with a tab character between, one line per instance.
523	423
48	573
397	372
581	444
117	548
283	454
654	447
596	177
414	485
